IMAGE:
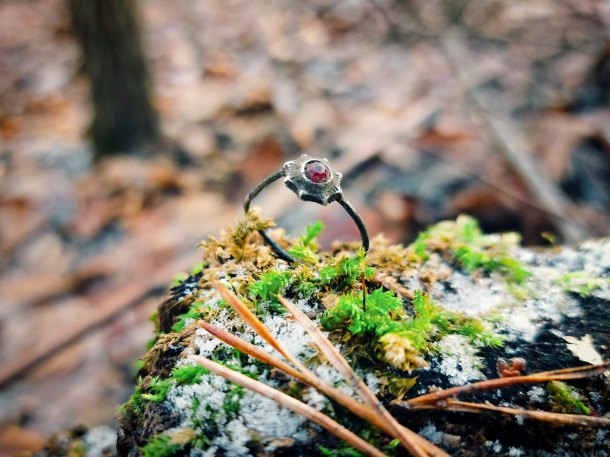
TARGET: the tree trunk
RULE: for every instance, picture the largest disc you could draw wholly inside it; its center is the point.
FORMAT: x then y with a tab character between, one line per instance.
124	120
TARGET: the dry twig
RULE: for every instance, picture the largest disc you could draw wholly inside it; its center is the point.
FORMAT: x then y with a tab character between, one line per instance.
565	374
577	420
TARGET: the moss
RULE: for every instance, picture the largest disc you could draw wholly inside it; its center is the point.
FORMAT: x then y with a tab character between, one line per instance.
267	287
198	268
397	386
473	250
157	390
135	403
231	404
197	311
581	283
306	248
398	337
160	445
567	398
193	313
179	278
343	273
342	451
188	375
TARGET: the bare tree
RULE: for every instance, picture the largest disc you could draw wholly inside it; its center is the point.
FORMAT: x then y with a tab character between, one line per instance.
124	120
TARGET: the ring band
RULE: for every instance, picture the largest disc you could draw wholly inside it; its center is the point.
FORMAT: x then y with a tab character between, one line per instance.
312	180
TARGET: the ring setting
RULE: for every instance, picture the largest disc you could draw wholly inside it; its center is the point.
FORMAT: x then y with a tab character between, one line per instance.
312	180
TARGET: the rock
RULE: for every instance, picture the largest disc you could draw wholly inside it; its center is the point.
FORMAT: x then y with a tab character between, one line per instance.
456	306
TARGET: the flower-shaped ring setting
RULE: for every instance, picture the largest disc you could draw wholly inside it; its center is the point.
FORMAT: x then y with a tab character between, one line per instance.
312	180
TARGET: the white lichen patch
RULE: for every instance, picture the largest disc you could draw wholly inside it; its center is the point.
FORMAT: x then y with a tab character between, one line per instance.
544	297
332	377
203	406
495	446
431	433
472	296
315	399
291	335
100	442
372	382
515	452
458	360
269	420
537	394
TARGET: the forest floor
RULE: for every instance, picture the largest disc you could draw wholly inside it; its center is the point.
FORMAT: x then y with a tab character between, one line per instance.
496	109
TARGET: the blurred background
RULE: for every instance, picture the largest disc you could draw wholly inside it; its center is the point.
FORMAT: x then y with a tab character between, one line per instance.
132	129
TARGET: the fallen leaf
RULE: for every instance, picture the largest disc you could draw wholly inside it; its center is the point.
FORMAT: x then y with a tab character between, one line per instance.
583	349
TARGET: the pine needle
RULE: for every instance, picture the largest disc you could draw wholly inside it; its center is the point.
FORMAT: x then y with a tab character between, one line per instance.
497	383
577	420
291	403
249	317
341	365
343	399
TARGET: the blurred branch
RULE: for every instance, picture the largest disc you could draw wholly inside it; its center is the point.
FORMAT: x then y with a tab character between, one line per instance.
127	294
513	145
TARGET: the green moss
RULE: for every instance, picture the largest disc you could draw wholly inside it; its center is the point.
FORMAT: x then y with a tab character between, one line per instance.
138	365
343	273
383	309
567	398
160	446
306	248
402	336
342	451
268	286
135	403
157	390
581	283
198	268
231	404
179	278
471	248
196	312
189	374
193	313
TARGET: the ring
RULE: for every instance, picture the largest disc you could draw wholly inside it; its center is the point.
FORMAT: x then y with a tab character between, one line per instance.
313	180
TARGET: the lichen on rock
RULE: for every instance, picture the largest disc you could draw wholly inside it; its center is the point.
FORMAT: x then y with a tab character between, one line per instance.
437	313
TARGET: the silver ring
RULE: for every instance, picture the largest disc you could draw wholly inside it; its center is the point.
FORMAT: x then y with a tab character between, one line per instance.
313	180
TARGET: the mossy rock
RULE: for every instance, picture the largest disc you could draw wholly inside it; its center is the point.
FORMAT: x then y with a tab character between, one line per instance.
438	313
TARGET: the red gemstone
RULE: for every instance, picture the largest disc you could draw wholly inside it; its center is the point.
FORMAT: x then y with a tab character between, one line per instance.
317	172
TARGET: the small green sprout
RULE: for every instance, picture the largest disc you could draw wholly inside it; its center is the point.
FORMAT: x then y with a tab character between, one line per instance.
311	233
306	248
